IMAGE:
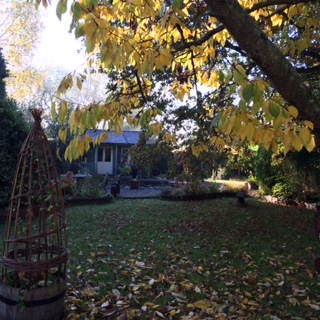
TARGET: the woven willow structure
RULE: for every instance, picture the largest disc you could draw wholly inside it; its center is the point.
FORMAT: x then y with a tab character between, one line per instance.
35	244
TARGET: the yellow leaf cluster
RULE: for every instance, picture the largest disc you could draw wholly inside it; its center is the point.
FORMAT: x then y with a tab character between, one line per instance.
181	90
65	84
77	147
63	114
147	35
170	138
198	148
155	128
276	20
241	125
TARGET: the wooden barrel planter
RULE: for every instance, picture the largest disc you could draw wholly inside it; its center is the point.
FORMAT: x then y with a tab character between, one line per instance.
33	263
45	303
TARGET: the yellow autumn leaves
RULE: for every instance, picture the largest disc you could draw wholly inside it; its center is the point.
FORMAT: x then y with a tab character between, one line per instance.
247	128
149	35
274	124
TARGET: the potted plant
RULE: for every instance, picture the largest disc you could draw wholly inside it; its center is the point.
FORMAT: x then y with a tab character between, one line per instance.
126	170
253	183
134	184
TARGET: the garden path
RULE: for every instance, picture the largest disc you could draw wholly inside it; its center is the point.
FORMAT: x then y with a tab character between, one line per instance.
142	192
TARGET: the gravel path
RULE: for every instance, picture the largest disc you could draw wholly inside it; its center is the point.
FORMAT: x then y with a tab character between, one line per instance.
149	188
142	192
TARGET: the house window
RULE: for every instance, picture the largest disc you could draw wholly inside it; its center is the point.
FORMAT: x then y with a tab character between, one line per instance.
104	154
107	156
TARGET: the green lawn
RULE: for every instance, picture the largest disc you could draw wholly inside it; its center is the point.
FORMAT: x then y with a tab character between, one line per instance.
152	259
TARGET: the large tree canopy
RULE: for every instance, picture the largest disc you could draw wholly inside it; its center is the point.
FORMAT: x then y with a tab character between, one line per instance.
252	67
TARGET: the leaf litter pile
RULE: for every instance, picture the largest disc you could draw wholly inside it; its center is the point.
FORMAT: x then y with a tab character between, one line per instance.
152	259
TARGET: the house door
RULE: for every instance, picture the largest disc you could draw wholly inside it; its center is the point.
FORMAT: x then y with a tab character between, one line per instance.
105	160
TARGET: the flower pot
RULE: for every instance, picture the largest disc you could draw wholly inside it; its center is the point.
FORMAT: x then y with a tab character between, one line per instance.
134	184
44	303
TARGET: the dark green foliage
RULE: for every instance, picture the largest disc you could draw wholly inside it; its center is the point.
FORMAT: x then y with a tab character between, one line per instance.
13	131
150	158
301	174
89	188
161	166
295	176
3	75
264	171
57	147
239	163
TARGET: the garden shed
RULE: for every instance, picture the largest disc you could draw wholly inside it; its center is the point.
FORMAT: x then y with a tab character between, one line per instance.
111	154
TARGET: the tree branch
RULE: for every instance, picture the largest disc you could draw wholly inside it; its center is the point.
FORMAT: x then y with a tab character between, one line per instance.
312	52
140	87
268	57
269	3
315	69
182	45
231	46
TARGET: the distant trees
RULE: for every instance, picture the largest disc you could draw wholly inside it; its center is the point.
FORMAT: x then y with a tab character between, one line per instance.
20	29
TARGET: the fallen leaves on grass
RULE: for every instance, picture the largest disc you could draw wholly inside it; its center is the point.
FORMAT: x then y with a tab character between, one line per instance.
190	267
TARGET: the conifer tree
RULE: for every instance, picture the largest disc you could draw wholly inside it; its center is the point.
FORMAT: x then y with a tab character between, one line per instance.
3	75
13	130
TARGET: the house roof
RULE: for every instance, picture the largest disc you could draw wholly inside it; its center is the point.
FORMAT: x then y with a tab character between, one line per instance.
127	137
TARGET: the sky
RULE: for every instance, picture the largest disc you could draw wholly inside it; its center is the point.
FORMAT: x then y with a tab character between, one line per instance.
58	47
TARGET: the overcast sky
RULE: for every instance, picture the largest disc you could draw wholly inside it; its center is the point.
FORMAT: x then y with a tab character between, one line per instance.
58	47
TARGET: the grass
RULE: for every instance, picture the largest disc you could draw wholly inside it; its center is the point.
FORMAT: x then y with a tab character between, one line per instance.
212	259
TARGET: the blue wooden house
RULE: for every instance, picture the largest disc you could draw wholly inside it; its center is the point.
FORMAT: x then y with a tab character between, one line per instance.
112	154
